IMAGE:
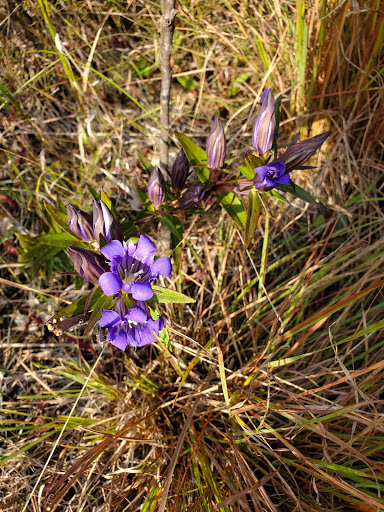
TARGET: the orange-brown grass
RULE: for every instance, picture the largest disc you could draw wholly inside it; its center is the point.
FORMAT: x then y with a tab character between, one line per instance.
269	395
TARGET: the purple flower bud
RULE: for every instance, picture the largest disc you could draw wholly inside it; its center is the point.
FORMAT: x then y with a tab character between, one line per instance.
156	188
192	197
87	263
296	156
265	124
80	223
105	224
216	146
270	176
179	171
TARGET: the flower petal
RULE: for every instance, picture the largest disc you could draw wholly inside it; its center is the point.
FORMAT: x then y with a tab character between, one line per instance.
162	266
283	180
137	315
141	291
110	283
146	337
113	250
144	248
109	318
120	340
156	325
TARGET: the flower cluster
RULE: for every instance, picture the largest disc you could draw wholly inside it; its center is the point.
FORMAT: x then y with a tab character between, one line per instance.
123	270
271	174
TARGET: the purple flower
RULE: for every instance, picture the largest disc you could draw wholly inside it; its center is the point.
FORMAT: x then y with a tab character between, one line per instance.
80	223
297	154
130	326
87	263
192	197
216	146
270	176
105	224
133	268
265	124
179	170
156	188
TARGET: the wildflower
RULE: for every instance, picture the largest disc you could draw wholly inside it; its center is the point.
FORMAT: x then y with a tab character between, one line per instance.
270	176
179	171
265	124
297	154
105	224
156	188
130	326
87	263
216	146
133	268
80	223
192	197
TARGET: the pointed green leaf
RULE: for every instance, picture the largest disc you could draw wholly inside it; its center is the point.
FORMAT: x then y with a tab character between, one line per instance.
232	205
104	302
253	215
196	156
298	192
164	296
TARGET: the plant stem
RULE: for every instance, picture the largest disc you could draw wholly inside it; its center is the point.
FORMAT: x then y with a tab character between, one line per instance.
167	28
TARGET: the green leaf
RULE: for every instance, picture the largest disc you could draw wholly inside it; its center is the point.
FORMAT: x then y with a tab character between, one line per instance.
188	82
58	217
58	239
174	225
145	163
77	307
274	193
239	80
163	296
232	205
104	302
298	192
253	215
196	156
244	170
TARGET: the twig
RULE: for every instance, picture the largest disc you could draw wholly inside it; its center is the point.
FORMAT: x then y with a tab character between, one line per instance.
167	28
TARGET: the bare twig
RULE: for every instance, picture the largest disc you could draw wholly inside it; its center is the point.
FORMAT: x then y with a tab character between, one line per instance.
167	28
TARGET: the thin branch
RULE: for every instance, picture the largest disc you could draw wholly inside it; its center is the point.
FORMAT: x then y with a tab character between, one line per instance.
167	28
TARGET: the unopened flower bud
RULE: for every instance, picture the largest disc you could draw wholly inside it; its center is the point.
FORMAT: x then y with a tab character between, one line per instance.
179	171
80	223
216	146
265	124
298	154
88	264
192	197
105	224
156	188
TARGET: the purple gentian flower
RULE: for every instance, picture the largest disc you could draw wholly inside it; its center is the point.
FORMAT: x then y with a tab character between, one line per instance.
80	223
265	124
87	263
270	176
156	187
133	268
192	197
297	154
130	326
216	146
179	170
105	224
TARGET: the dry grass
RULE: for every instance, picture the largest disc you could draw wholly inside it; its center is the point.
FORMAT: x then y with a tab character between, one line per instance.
270	395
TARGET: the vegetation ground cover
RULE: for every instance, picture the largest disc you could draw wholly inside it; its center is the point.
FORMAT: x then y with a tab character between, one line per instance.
269	395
